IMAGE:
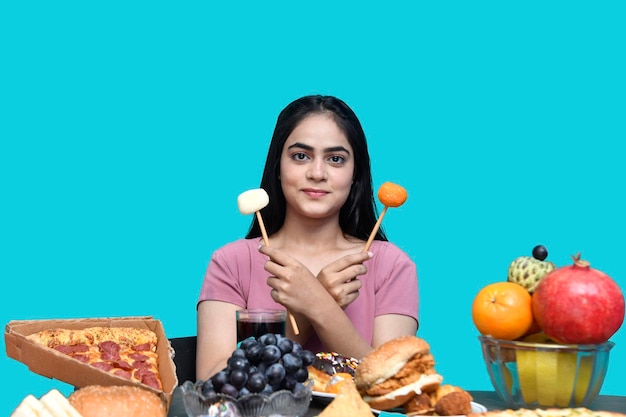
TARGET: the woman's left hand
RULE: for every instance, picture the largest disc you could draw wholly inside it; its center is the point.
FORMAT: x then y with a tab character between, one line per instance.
340	277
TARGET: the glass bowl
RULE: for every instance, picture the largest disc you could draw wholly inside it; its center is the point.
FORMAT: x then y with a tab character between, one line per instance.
535	375
282	403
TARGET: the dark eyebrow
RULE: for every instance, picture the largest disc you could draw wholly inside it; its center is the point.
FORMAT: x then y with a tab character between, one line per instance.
310	148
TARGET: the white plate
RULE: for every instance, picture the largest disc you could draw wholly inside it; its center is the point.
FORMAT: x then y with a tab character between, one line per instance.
325	398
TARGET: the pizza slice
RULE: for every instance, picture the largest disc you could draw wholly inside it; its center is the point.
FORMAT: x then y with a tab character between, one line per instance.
126	352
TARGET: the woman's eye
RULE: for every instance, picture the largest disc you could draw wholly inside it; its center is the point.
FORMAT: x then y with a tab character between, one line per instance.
337	159
299	156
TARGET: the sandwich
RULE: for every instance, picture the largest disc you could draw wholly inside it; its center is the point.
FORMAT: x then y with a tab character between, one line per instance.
396	371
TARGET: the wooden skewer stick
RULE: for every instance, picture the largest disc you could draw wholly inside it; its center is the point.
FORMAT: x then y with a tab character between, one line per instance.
292	319
263	231
375	229
294	325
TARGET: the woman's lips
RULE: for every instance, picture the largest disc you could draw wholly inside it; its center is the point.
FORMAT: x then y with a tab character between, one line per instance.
314	193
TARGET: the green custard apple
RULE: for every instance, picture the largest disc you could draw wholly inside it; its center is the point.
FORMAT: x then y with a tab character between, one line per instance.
529	270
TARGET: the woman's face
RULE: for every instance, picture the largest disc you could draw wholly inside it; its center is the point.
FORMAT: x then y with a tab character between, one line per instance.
316	168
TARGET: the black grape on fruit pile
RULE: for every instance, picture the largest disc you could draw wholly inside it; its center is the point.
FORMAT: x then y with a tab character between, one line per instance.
540	252
275	375
264	365
292	362
271	354
256	382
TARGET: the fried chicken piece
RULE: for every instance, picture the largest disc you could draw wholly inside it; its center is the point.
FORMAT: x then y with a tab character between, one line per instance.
443	390
419	405
454	403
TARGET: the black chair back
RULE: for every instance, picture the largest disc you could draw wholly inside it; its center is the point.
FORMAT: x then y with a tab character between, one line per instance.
184	358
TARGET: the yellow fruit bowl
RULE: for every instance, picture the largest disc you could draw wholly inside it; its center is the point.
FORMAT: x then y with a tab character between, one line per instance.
531	375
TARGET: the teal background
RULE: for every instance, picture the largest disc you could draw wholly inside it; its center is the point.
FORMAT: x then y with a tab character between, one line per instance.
128	129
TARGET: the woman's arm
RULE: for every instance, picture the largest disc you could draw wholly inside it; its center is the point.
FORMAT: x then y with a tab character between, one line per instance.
391	326
399	286
336	332
217	337
319	301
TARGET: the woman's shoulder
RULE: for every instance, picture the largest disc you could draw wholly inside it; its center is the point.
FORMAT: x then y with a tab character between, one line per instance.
387	247
238	246
389	255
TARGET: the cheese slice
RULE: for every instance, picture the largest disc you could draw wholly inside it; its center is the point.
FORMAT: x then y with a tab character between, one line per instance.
52	404
31	407
58	405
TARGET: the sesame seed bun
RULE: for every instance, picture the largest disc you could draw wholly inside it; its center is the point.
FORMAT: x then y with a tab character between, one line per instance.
119	401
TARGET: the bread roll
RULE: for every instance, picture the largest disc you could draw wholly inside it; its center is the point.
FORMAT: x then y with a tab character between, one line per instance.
119	401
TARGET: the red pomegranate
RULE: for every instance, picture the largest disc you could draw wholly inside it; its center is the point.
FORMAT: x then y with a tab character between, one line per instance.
578	304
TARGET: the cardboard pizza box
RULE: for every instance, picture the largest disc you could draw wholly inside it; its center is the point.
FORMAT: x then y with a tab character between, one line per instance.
54	364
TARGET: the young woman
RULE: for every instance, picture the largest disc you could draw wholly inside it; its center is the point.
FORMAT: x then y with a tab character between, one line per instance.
321	213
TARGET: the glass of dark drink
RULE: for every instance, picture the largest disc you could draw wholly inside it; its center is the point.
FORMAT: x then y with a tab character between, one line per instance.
256	322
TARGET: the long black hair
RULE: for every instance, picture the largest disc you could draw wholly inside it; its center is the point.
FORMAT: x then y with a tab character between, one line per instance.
358	215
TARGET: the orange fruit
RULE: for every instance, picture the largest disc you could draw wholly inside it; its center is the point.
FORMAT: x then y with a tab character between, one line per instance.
392	195
503	310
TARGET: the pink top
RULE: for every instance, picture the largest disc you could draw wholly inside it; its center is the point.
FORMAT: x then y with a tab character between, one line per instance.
236	275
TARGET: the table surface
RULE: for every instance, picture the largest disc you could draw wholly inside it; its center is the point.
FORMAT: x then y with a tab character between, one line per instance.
487	398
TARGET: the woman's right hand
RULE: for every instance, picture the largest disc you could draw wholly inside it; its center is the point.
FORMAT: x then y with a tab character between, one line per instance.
340	277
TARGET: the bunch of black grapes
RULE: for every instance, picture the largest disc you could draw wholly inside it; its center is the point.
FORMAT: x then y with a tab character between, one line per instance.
264	365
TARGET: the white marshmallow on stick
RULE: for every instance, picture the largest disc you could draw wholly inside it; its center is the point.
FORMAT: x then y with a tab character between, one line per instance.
252	201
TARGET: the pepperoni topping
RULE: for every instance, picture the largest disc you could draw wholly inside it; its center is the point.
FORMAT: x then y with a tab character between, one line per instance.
122	365
142	347
70	349
64	349
147	377
82	358
140	365
122	373
151	381
110	356
102	365
139	373
138	357
109	346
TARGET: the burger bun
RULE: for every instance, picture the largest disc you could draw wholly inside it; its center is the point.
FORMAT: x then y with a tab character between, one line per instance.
119	401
